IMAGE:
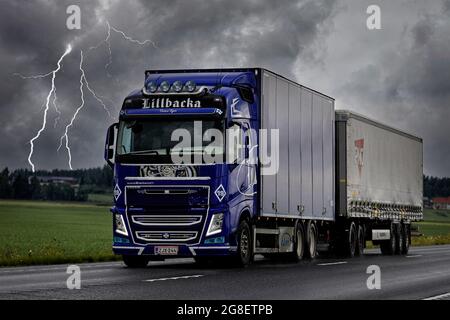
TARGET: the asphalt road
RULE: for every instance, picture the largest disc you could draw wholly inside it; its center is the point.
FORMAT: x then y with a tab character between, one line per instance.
423	273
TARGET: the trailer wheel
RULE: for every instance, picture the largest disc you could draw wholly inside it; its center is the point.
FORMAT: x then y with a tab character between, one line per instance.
351	241
360	243
398	239
311	240
388	246
405	235
245	248
135	261
299	244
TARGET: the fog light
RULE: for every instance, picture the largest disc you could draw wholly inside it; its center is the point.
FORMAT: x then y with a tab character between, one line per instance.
215	240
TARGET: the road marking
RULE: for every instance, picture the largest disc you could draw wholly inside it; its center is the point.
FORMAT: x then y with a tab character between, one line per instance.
414	256
439	297
332	263
175	278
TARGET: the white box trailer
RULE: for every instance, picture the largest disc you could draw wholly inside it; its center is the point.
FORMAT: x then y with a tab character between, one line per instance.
379	170
304	184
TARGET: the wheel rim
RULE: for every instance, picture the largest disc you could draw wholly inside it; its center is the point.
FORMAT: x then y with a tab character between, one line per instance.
352	240
312	242
244	244
299	244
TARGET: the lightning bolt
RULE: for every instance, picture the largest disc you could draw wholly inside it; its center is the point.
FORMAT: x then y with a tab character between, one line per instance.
107	42
65	136
47	104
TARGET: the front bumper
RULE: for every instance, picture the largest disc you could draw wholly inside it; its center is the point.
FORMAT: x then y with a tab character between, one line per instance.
183	250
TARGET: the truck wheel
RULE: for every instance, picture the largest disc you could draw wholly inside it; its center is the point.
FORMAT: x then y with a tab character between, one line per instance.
299	244
351	241
135	261
388	246
360	241
405	236
398	239
244	249
311	240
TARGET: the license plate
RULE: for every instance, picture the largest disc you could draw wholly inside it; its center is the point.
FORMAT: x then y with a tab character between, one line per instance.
166	250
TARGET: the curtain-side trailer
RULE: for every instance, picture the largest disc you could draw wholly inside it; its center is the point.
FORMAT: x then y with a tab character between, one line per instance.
331	179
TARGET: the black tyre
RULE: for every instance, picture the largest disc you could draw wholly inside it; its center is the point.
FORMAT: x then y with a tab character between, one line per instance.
388	246
311	240
398	239
299	244
245	248
135	261
360	241
351	240
406	238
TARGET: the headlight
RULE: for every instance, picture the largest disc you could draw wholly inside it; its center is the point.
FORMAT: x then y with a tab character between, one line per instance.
120	225
165	86
190	86
177	86
215	226
152	86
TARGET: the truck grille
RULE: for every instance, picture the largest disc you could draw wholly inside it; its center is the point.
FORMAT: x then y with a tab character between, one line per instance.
168	220
167	214
162	236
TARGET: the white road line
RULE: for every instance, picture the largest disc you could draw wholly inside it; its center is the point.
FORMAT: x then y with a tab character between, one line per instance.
332	263
439	297
414	256
175	278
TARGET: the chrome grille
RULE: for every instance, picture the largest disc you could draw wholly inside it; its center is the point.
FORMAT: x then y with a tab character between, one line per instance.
169	220
163	236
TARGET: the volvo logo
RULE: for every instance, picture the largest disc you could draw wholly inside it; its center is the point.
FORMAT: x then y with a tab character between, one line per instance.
166	235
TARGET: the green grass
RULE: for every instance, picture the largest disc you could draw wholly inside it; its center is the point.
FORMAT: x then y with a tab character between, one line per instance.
101	198
33	232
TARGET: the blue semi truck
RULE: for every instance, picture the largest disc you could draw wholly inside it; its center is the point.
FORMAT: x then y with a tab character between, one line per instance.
230	163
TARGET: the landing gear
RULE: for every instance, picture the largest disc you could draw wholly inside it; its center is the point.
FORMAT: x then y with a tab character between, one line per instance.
135	261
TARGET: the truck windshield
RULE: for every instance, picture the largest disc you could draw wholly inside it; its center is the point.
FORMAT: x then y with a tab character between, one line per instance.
159	140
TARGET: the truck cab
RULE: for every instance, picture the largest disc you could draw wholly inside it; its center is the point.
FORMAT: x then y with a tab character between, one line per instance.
178	190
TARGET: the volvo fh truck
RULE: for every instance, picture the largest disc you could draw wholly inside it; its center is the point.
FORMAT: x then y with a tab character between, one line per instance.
230	163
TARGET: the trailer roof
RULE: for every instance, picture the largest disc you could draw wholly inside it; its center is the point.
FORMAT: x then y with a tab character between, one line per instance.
259	70
344	115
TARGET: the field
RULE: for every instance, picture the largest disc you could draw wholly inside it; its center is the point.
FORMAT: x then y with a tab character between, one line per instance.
435	228
36	232
33	232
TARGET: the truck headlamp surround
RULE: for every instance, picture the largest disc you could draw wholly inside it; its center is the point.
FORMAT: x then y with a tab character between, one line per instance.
120	225
215	225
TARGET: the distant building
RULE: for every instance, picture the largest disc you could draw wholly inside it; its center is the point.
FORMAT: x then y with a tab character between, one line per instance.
427	203
45	180
441	203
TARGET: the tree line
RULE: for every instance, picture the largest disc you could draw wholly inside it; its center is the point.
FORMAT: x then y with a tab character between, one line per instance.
24	184
436	187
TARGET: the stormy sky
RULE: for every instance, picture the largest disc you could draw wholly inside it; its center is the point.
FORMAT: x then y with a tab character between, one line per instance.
399	75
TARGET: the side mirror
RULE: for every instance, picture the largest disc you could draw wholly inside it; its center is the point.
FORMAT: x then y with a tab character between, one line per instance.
110	144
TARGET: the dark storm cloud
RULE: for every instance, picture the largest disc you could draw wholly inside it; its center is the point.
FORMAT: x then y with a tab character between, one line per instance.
188	34
399	75
409	86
